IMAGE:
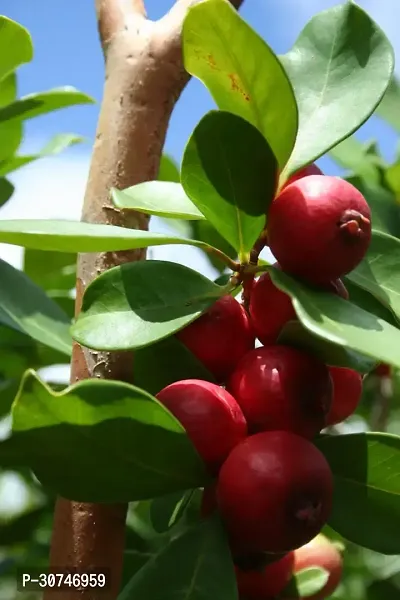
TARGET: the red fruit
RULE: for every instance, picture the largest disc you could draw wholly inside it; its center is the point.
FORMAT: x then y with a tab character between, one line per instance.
382	370
320	552
271	309
319	228
309	170
211	416
347	390
267	582
220	337
278	387
274	492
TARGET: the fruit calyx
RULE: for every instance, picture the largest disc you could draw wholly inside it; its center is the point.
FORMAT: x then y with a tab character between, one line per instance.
354	224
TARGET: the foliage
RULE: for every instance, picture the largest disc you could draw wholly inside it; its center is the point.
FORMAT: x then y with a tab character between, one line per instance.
235	160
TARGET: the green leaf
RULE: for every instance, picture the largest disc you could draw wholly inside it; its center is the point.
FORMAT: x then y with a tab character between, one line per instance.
110	442
15	46
366	499
340	322
76	236
22	527
50	270
353	155
140	303
379	272
42	103
369	303
54	146
388	109
160	364
10	133
161	198
338	46
294	334
229	172
384	208
310	581
168	170
205	232
205	568
163	509
26	308
6	190
244	78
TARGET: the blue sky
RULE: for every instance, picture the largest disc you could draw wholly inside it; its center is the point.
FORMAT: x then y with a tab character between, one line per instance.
67	52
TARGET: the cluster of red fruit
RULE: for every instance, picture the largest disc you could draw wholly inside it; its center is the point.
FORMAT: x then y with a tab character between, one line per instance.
254	430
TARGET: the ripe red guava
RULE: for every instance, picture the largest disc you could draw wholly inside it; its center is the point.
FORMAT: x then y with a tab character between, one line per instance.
309	170
211	416
319	228
279	387
266	582
274	493
220	337
271	309
320	552
347	391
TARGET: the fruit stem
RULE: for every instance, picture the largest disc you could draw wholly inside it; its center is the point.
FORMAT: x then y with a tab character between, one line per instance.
232	264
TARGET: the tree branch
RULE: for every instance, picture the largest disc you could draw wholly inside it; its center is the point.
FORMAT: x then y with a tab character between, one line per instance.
144	77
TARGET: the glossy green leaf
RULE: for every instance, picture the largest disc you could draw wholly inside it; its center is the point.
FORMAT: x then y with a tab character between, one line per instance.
366	498
161	198
15	46
388	109
55	146
229	172
244	78
110	442
6	190
42	103
77	236
379	272
205	568
296	335
168	171
385	210
140	303
368	302
160	364
338	46
341	322
26	308
8	89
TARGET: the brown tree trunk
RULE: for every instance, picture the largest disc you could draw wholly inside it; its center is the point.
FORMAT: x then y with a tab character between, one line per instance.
144	78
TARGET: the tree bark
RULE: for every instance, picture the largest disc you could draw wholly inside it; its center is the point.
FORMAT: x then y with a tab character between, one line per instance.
144	77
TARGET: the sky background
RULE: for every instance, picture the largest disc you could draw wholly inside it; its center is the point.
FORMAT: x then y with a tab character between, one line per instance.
67	52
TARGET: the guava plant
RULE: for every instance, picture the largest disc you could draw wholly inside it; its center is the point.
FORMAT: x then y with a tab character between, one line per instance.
227	442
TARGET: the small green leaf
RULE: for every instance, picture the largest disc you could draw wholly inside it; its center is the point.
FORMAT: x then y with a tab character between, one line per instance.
77	236
340	322
161	198
388	109
310	581
339	45
244	78
162	510
42	103
15	46
353	155
366	498
161	364
10	133
6	190
168	170
110	442
8	89
379	272
140	303
296	335
229	172
26	308
55	146
205	568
